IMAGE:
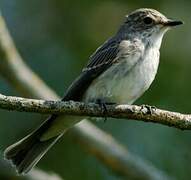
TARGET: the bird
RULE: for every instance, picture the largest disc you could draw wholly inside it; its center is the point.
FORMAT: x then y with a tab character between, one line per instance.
119	71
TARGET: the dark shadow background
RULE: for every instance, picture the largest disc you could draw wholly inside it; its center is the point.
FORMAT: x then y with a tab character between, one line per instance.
56	37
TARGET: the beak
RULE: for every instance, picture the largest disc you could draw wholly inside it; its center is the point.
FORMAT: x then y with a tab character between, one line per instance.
172	23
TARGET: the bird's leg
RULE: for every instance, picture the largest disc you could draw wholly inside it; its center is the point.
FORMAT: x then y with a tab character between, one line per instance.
149	109
103	104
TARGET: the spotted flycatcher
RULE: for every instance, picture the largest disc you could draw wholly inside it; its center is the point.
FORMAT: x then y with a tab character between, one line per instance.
119	71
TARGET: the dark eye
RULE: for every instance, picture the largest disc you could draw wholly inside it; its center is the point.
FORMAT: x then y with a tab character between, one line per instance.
148	20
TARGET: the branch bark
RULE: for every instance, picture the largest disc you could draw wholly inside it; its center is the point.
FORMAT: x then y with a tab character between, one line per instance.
140	113
97	142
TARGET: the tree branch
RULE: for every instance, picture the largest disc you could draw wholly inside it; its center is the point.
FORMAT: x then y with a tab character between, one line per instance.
94	140
140	113
16	72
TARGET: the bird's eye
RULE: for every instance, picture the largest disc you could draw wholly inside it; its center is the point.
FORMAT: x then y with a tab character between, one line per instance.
148	20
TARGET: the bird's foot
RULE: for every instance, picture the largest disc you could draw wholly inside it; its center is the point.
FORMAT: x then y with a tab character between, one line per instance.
146	109
103	105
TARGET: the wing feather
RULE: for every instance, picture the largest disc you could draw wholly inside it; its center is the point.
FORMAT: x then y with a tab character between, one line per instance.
100	61
103	55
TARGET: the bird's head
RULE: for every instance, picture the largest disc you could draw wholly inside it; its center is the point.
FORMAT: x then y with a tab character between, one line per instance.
148	24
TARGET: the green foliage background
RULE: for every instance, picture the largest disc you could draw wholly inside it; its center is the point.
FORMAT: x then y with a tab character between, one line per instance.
56	37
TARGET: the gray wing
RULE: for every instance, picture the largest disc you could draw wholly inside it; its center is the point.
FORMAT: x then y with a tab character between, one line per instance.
100	61
104	55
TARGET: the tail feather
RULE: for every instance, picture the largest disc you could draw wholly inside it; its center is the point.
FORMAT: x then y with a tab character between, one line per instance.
26	153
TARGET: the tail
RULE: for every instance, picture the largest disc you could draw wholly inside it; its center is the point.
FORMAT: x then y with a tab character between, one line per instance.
26	153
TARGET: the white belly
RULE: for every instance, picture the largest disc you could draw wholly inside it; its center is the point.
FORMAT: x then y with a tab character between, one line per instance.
122	85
